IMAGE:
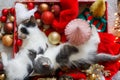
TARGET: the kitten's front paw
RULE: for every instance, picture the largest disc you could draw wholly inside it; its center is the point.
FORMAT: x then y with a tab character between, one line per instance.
65	77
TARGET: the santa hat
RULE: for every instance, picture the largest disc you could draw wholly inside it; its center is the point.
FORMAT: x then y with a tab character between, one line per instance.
69	12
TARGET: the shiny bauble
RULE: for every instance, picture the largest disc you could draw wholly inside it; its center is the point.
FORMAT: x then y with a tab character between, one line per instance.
54	38
47	17
8	28
38	22
1	35
0	25
2	76
19	42
12	11
3	19
5	12
43	7
56	10
7	40
37	15
11	18
46	26
30	5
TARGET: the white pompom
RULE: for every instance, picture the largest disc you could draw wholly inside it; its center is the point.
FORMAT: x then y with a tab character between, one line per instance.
78	31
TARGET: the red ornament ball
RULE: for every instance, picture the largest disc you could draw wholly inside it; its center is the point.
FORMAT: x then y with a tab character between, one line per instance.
3	19
5	12
37	15
8	28
12	11
47	17
30	5
56	10
19	42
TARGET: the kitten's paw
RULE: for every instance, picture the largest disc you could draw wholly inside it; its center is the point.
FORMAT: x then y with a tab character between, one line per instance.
65	77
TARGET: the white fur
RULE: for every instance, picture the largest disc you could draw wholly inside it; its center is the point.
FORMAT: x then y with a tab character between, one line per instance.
34	40
84	49
17	67
22	13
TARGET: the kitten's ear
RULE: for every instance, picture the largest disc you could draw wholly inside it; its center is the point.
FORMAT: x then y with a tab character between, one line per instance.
32	19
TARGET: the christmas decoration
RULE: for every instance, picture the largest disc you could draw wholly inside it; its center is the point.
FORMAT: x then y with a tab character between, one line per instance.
78	31
116	28
38	22
19	42
1	35
11	18
8	28
100	23
43	7
56	10
30	5
37	15
54	38
94	72
0	25
46	26
98	8
47	17
3	19
12	11
5	12
7	40
108	45
68	13
2	76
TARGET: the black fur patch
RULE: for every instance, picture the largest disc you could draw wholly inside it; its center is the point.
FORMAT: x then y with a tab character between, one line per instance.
29	24
65	52
32	54
41	51
24	30
29	69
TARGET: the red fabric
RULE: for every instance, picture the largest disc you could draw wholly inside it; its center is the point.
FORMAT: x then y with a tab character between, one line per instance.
108	45
68	13
75	74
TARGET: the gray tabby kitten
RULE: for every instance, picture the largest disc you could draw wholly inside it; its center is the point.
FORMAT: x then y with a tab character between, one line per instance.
35	42
67	55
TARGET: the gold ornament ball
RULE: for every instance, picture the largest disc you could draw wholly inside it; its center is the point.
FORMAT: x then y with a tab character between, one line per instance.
1	35
43	7
7	40
11	18
54	38
2	77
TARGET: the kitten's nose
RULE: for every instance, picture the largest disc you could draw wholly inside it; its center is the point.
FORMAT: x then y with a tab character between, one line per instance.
46	65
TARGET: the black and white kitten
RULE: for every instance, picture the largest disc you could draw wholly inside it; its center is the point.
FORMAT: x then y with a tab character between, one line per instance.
67	55
34	43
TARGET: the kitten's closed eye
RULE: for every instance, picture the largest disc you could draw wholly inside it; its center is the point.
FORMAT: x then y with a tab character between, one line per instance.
24	30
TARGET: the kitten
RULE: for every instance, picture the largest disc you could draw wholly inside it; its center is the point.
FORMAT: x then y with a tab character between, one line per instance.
35	42
73	56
